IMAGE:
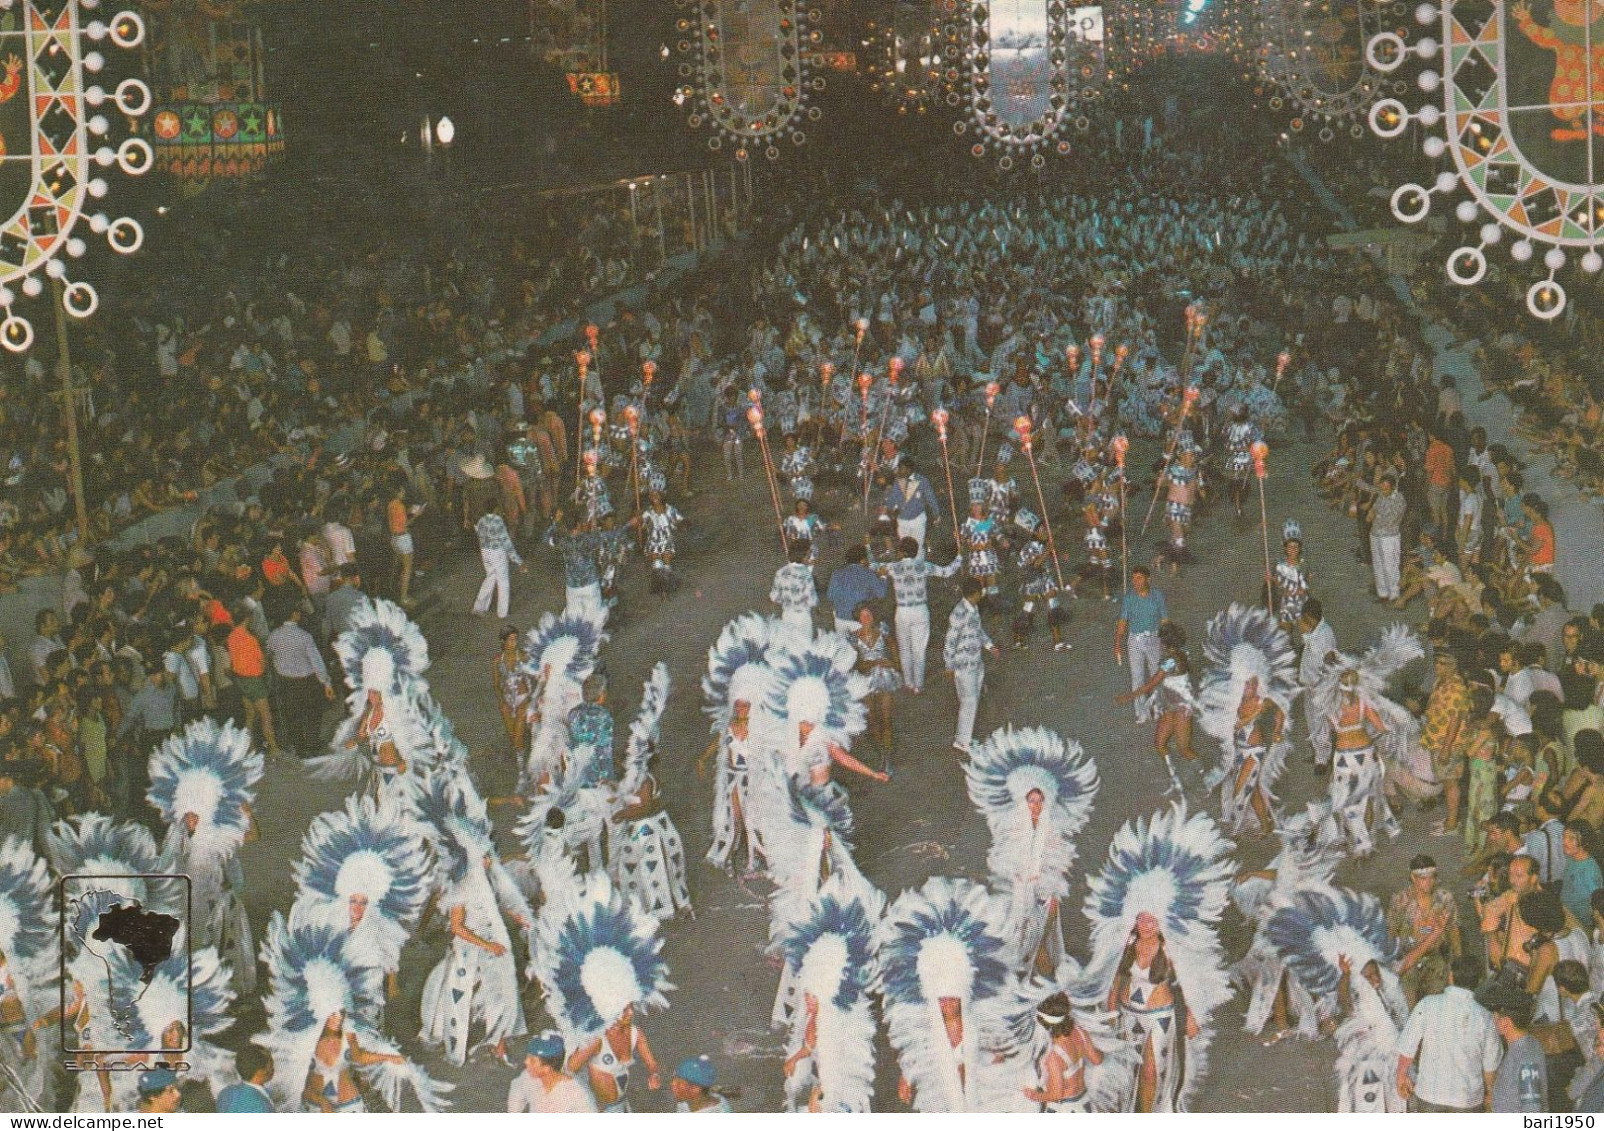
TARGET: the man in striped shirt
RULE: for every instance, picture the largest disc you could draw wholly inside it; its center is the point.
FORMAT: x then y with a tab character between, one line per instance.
910	574
497	554
964	654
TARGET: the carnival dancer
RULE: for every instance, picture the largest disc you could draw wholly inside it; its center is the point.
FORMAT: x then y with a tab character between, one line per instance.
1370	734
1038	584
805	527
322	1026
1291	577
812	709
602	966
647	856
912	502
560	655
978	536
1367	1039
591	747
1181	476
659	523
910	576
1036	792
497	554
1099	564
796	592
1244	704
797	465
365	870
30	973
945	964
830	943
477	979
1082	1065
203	784
1156	958
1240	436
1170	689
736	674
1002	493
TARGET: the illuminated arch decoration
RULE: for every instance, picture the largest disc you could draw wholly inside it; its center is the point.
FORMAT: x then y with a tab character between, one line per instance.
1315	54
50	121
750	79
1523	125
915	55
1022	91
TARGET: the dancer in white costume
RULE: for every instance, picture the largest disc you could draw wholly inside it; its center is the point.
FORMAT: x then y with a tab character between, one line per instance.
1156	958
813	707
1082	1064
1036	792
203	783
647	858
561	653
736	678
30	973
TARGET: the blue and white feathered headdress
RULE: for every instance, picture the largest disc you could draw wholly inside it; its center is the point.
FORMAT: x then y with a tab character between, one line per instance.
818	687
381	649
27	908
563	647
209	770
737	667
1005	767
113	851
456	817
1320	926
1396	648
449	752
368	849
311	977
191	989
1244	643
603	957
645	731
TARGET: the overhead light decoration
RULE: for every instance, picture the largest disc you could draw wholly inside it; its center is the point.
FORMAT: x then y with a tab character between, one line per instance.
750	71
1023	93
1528	156
52	177
915	55
1315	55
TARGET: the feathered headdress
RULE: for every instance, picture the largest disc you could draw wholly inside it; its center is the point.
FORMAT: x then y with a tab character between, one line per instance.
817	686
193	990
603	957
211	771
737	669
1397	648
118	854
1006	767
406	724
644	731
829	943
311	977
456	818
943	940
1244	643
1320	926
562	649
369	850
28	938
381	649
1108	1084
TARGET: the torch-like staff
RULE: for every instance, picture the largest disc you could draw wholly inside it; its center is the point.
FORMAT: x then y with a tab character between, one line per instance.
1194	328
826	371
1120	445
992	388
939	419
1022	427
1282	360
1261	456
632	419
1188	399
893	372
754	417
1097	343
582	359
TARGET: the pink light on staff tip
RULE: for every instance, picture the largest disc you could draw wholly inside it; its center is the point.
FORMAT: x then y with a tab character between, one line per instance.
895	365
1189	398
1261	453
862	327
590	461
591	334
1121	352
1098	342
1282	360
1191	313
755	396
826	369
939	419
992	389
864	381
583	358
648	370
754	416
1073	353
631	418
1022	426
1121	445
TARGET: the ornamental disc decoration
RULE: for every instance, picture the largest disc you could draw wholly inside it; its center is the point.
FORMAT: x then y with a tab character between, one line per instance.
1023	56
1516	101
752	71
915	55
1315	53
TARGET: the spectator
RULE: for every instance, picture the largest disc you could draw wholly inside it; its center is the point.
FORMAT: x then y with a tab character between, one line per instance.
1521	1083
1581	877
248	668
303	682
1449	1051
1424	919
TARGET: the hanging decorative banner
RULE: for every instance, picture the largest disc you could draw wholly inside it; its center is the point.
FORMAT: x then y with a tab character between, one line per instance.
912	52
1021	81
48	152
1518	114
751	78
1315	54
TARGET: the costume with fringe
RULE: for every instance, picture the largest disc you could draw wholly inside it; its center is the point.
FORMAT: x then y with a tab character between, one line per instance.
945	941
829	943
30	971
1177	868
560	654
737	672
210	771
312	975
647	855
1108	1084
1030	861
813	699
1245	643
1359	775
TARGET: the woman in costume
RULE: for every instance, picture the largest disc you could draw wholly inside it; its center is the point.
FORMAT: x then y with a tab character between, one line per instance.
647	860
1155	909
830	942
203	783
512	690
735	680
658	523
1062	1067
1172	687
812	709
1038	583
561	653
1244	704
323	1030
602	965
978	535
1291	576
365	870
881	664
1081	1063
30	970
1369	734
1036	792
1240	436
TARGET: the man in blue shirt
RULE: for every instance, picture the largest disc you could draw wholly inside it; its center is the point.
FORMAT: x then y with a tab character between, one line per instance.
913	502
852	585
1136	635
255	1067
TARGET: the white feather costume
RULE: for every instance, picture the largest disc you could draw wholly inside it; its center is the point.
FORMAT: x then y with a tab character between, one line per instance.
1359	776
1177	868
647	856
945	941
814	698
30	970
829	943
313	975
561	653
1242	644
1030	860
737	672
1109	1084
210	772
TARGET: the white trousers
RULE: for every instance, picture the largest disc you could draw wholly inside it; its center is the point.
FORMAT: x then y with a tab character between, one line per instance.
1385	551
968	682
913	637
586	601
914	528
800	624
1144	653
498	581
